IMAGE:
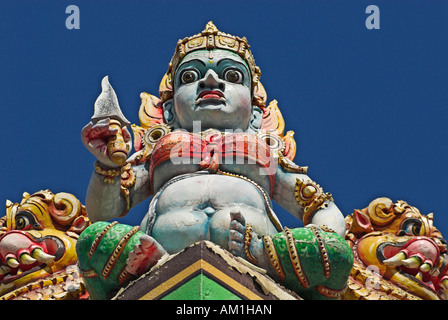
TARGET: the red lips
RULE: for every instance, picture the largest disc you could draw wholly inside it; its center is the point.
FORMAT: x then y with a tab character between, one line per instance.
211	94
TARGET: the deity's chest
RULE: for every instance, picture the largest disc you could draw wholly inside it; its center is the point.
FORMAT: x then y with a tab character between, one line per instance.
242	154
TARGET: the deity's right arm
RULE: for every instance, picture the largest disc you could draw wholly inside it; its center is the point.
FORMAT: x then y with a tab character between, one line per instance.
112	197
113	189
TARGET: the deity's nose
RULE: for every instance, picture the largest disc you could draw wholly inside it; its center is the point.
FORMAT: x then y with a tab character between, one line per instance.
211	81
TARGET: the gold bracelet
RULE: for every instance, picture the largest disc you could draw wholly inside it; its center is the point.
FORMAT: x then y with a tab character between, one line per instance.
109	174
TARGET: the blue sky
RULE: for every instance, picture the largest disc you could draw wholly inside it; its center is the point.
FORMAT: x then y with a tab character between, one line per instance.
368	107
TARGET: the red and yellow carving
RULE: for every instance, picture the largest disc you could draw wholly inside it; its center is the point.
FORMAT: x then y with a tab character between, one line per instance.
398	252
37	247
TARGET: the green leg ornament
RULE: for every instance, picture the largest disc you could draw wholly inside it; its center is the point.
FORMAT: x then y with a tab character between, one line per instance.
312	262
111	254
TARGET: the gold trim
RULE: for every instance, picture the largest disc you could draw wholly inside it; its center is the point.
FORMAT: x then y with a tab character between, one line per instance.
190	270
47	284
117	252
273	257
317	204
124	274
89	273
289	165
127	176
310	196
247	242
330	293
97	240
109	174
294	257
323	252
306	191
125	193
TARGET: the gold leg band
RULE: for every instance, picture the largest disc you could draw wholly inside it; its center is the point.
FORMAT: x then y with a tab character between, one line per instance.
323	252
294	257
98	239
273	257
247	242
117	252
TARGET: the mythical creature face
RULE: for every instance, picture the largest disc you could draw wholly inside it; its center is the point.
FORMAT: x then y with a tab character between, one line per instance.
38	238
213	87
402	246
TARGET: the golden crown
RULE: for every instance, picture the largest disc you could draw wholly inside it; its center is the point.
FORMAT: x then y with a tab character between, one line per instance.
211	38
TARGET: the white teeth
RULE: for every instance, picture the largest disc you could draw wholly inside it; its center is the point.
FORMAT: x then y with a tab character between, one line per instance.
444	284
41	256
13	263
419	276
412	262
396	260
25	258
426	267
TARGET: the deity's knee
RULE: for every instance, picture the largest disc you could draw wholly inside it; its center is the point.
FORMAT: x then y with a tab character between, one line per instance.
103	249
312	262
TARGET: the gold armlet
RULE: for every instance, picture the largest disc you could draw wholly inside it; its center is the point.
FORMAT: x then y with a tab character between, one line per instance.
247	242
310	196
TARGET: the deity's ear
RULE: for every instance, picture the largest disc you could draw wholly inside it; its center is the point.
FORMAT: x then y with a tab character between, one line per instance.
256	119
168	111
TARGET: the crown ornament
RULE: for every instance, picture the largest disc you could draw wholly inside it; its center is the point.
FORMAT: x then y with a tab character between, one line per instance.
210	38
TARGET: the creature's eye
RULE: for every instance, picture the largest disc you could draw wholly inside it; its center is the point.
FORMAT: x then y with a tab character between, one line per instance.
189	76
411	227
233	76
25	221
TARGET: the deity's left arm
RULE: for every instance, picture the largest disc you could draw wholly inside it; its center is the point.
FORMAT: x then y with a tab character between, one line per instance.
306	200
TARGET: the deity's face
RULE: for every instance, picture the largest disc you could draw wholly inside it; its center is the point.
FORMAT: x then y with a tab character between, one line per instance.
213	87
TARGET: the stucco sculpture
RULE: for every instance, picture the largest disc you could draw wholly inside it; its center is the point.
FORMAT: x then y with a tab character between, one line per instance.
212	154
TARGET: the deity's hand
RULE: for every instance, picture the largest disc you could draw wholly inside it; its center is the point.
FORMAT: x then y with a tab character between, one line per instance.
237	231
96	136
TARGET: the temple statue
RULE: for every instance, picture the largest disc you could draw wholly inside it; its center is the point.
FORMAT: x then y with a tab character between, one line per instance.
212	154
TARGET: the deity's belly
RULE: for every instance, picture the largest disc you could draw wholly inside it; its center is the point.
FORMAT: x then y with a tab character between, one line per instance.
198	208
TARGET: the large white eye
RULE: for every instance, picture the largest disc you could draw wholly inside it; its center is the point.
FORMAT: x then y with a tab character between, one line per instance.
189	76
25	221
233	76
22	222
412	227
